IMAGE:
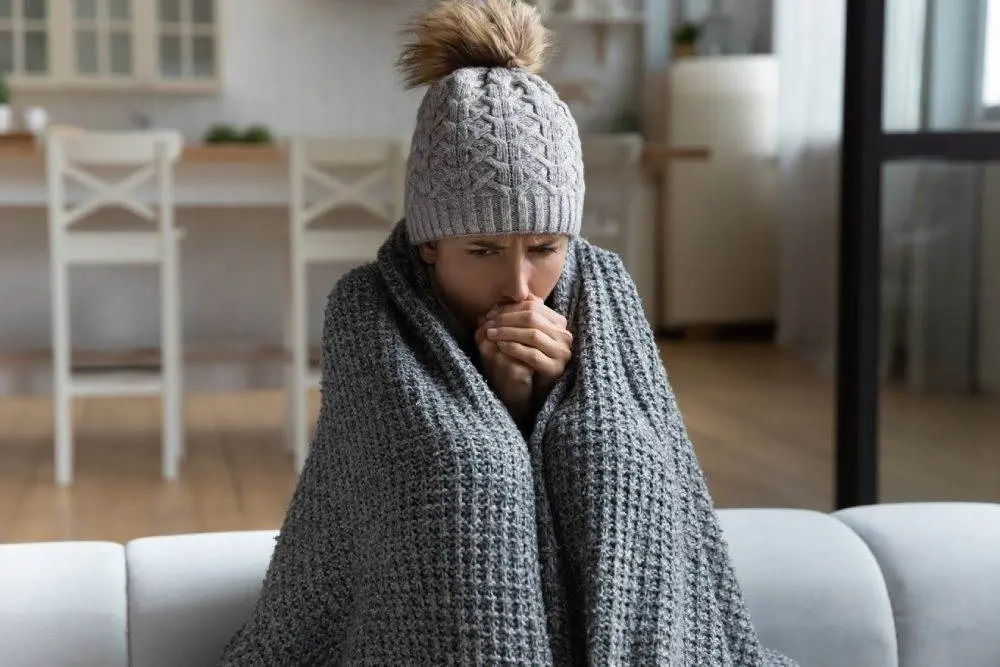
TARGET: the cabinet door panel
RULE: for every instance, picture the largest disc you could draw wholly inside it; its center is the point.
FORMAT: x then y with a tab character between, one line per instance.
720	241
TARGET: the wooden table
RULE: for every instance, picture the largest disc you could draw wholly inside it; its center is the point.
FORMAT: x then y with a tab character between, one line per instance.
25	146
654	155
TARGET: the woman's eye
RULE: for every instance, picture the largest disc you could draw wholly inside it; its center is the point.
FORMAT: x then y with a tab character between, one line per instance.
481	252
545	250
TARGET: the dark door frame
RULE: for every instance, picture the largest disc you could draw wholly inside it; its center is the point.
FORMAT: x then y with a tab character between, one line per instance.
866	148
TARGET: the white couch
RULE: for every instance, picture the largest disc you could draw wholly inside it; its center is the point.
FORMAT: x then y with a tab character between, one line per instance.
909	584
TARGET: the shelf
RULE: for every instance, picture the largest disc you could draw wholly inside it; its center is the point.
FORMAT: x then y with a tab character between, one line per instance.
595	19
599	22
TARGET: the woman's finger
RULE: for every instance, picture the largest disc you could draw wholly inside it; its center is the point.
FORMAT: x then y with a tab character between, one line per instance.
533	304
528	319
487	348
530	356
531	320
514	368
536	338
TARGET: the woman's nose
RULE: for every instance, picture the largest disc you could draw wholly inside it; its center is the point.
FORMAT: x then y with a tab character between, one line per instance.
516	284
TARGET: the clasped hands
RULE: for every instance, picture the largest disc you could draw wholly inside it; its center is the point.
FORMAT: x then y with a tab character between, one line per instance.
525	348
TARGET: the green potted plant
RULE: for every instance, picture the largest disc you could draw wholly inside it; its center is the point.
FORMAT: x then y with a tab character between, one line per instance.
221	133
257	134
5	115
686	39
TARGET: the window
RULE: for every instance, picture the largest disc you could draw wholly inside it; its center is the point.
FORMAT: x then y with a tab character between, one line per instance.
24	37
991	61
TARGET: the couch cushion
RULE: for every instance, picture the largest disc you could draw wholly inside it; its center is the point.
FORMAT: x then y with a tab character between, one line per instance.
814	591
188	594
941	562
63	603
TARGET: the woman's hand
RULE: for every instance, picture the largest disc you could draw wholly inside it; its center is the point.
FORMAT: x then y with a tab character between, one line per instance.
512	380
534	335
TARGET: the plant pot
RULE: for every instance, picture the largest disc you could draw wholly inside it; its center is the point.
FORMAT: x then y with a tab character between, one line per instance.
684	50
6	119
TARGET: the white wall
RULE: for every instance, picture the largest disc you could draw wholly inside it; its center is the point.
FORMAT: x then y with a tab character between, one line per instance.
300	66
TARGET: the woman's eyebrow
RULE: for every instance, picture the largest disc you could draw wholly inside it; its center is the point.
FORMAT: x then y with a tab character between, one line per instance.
489	245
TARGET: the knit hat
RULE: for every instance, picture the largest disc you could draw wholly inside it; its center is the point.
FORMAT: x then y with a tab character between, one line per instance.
494	151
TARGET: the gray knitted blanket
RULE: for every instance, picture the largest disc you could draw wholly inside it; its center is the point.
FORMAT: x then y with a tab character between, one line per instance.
427	530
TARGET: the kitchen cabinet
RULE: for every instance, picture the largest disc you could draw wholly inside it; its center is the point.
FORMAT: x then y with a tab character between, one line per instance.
167	45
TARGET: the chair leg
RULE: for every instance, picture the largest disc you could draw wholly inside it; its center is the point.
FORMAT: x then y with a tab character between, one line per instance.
298	404
289	376
62	399
173	426
180	392
301	423
63	422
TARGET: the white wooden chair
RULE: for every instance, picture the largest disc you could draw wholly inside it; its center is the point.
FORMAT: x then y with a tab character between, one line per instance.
378	192
75	154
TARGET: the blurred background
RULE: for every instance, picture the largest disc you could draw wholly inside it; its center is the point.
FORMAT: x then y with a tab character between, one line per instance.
158	375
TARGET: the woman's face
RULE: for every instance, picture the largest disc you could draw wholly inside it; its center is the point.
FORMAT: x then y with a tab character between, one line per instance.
474	273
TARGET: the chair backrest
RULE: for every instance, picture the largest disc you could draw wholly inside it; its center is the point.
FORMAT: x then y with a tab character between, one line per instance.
116	148
73	153
378	167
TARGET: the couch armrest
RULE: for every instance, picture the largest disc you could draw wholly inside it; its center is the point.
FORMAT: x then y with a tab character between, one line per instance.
63	603
188	594
814	591
941	562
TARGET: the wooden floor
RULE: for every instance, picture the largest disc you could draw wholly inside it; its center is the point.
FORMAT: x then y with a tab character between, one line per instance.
761	422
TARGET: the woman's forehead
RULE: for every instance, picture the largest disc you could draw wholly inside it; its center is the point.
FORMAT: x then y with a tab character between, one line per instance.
504	239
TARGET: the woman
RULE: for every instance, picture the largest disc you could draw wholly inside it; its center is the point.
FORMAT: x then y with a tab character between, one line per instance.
500	474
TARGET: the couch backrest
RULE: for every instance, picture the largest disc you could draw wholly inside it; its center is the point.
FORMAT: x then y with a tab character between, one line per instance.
941	567
813	589
189	594
920	581
63	603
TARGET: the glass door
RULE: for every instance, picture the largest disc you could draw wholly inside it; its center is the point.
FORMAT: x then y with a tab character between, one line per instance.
918	398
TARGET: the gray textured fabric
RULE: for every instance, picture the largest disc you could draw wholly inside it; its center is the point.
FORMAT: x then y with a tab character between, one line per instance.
494	150
426	530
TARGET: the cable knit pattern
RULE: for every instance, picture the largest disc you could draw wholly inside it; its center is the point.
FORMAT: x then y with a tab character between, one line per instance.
426	530
494	150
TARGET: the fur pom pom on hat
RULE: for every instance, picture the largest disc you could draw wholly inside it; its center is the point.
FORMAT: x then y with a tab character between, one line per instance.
494	150
469	33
